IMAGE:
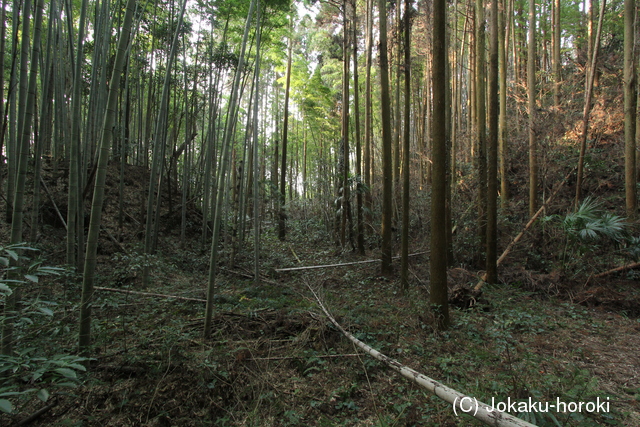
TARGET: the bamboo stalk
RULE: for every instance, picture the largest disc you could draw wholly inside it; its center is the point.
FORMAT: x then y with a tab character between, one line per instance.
461	403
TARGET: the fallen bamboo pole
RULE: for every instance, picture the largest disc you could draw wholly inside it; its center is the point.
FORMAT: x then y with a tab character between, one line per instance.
461	403
326	356
248	276
524	230
312	267
618	269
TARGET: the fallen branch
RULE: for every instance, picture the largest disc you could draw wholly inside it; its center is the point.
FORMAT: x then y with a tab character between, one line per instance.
132	217
326	356
249	276
148	294
524	230
294	254
31	418
114	240
618	269
461	403
312	267
55	207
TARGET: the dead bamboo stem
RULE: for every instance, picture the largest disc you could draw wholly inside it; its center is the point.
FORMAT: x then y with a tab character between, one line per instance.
312	267
46	190
326	356
618	269
460	403
524	230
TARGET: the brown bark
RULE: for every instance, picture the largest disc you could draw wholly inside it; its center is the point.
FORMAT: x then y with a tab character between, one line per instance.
438	261
387	169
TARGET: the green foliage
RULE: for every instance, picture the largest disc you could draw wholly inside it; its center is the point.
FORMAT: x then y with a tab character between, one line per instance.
223	57
30	367
503	337
39	373
11	261
633	248
591	230
17	270
589	224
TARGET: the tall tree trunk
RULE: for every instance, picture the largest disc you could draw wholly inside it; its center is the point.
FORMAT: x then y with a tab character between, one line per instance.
44	136
630	107
23	89
10	306
397	116
368	129
502	125
556	60
471	78
159	136
404	265
256	191
346	194
187	133
481	122
209	147
438	259
481	116
276	155
448	223
12	140
101	176
75	192
3	31
531	92
492	158
224	160
516	13
356	99
387	169
282	215
590	20
590	78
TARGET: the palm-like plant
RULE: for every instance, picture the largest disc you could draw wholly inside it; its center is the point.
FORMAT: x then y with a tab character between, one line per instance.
589	224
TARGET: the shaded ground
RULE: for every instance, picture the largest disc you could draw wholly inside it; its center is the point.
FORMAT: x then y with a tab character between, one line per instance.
275	360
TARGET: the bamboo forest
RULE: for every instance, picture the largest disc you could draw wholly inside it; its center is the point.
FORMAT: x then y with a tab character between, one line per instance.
319	213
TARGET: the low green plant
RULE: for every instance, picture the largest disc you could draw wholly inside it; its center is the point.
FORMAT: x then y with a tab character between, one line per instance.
29	371
39	373
590	229
25	269
590	224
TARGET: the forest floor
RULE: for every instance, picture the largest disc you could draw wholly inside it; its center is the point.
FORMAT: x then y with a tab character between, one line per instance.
275	360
